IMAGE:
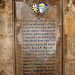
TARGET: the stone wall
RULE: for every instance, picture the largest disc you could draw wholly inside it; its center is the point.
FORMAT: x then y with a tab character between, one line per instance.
69	38
6	38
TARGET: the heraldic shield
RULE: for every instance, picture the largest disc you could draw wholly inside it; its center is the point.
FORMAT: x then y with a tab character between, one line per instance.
38	7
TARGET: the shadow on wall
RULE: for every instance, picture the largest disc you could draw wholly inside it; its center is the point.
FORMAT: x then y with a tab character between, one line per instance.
2	4
3	73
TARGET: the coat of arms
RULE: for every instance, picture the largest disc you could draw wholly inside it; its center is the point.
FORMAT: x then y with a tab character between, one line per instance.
38	8
34	7
42	7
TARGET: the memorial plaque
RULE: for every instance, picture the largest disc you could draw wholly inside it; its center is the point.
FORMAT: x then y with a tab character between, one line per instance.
38	30
37	37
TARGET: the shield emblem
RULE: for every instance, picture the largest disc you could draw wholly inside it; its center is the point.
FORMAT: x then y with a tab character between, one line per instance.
42	7
38	8
34	7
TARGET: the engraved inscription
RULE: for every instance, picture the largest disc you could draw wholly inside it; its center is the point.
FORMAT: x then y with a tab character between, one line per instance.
39	47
